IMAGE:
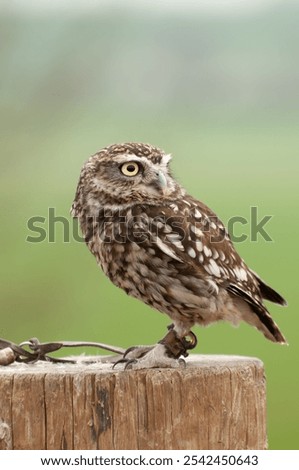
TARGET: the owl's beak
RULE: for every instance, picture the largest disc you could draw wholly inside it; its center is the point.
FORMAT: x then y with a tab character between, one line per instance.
162	182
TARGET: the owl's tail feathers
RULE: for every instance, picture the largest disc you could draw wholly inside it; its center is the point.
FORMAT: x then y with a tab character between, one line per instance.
270	328
256	314
268	293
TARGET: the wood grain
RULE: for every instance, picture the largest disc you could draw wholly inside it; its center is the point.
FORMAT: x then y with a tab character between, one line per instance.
216	402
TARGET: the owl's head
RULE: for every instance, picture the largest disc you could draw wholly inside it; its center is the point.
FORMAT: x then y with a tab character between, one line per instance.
125	174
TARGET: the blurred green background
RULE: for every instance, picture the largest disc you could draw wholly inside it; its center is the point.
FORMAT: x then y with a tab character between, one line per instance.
218	88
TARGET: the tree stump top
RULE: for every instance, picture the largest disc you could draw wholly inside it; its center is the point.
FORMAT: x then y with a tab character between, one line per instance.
215	402
211	362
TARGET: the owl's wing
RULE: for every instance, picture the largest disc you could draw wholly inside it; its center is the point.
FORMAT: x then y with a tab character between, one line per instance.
190	233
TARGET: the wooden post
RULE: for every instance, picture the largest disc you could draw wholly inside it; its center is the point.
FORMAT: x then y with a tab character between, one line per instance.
216	402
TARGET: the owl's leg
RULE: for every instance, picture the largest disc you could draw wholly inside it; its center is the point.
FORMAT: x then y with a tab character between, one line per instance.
166	353
178	342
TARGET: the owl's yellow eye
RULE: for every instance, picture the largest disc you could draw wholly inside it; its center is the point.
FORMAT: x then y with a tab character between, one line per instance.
130	169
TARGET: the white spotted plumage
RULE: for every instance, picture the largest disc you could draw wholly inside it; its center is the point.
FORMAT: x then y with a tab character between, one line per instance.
175	255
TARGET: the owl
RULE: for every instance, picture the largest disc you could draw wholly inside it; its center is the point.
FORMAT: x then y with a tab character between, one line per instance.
162	246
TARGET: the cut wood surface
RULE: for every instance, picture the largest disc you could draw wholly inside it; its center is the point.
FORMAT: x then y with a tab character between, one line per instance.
216	402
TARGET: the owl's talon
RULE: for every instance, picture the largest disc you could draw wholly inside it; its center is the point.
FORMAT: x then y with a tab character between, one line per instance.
129	364
137	351
120	361
166	353
156	357
131	355
182	363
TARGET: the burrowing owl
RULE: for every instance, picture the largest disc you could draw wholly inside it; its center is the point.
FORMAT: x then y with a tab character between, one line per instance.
165	248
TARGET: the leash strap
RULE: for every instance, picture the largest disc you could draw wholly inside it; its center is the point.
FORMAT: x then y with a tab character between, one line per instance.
33	350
